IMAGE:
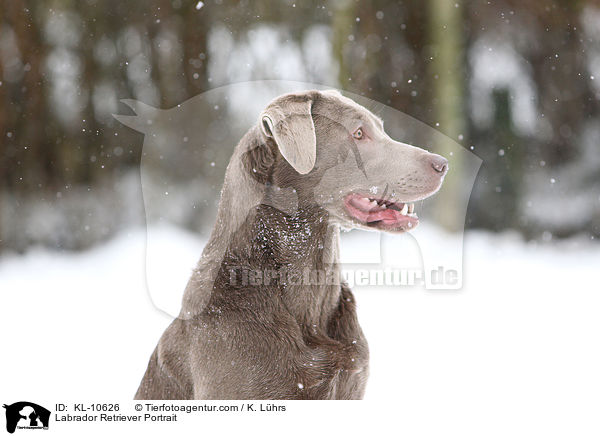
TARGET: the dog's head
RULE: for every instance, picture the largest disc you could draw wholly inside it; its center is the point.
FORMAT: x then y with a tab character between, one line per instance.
332	151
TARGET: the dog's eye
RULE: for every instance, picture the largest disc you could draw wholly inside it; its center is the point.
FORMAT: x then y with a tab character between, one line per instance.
358	134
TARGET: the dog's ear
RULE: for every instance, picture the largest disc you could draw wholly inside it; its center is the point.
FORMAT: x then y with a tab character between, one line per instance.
288	121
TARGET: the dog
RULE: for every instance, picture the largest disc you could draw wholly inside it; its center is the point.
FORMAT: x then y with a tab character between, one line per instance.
255	322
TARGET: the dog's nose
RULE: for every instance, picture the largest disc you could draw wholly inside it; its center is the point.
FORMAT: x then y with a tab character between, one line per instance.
439	164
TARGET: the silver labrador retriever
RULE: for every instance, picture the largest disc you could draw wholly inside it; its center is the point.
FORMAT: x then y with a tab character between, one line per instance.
265	314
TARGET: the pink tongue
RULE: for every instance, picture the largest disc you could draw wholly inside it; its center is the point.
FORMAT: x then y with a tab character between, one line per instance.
385	214
369	214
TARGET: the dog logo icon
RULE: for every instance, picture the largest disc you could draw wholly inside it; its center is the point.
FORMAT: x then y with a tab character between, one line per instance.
26	415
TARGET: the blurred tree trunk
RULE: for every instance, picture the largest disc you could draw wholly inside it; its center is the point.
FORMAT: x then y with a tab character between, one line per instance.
33	116
27	103
508	158
367	27
343	25
445	72
195	59
91	75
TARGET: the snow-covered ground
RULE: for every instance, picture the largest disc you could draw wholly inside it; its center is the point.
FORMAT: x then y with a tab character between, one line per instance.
516	351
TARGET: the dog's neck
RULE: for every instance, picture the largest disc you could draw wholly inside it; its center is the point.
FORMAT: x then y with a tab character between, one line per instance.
304	240
304	245
284	255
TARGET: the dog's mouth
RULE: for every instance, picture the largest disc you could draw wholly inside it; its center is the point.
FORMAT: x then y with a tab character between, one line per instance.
379	212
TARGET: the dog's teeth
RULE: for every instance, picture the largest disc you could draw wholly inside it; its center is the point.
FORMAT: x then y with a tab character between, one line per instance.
373	203
404	210
411	208
383	206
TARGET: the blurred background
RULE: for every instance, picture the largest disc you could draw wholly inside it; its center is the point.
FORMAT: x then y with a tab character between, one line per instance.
516	82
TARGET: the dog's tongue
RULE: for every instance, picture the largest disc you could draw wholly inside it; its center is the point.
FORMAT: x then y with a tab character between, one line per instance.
385	214
369	213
